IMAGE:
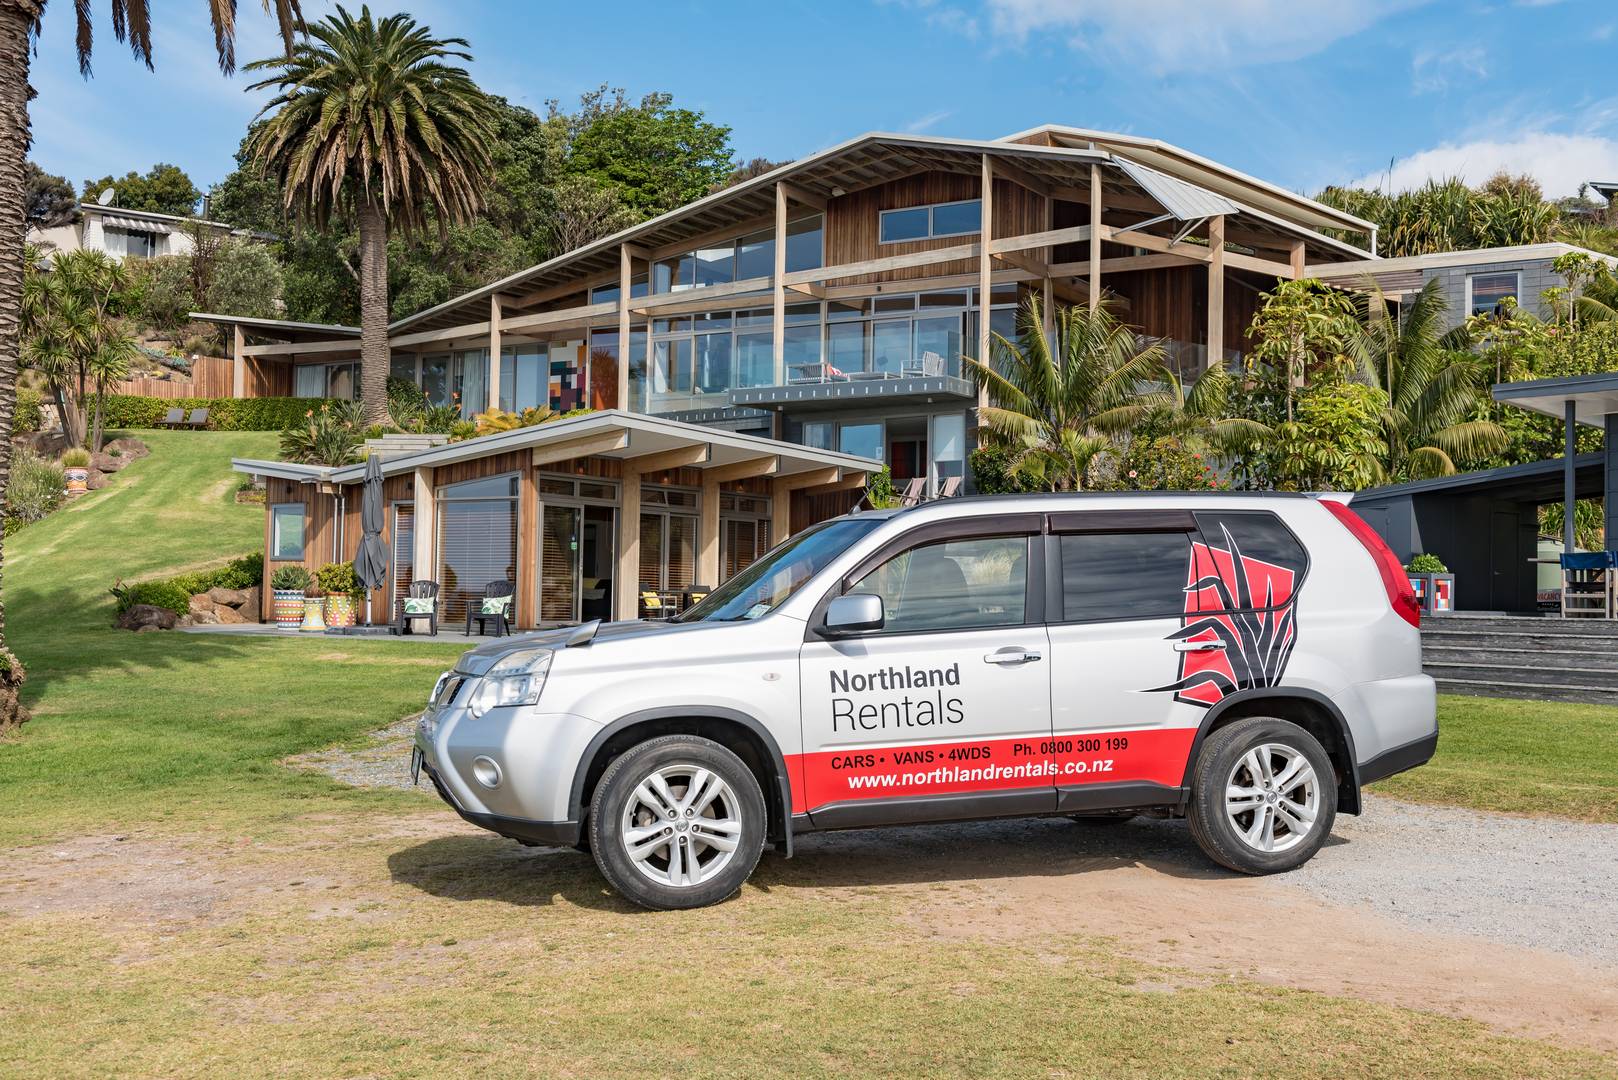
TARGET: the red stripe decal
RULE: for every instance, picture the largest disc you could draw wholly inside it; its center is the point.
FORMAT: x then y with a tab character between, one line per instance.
1153	755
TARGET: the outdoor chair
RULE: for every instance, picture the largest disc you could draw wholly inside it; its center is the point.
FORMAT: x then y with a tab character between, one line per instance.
930	364
950	488
696	594
420	602
914	489
1588	579
495	607
198	420
654	607
175	418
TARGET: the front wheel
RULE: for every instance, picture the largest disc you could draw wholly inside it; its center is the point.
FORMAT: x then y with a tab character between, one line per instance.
1263	796
677	822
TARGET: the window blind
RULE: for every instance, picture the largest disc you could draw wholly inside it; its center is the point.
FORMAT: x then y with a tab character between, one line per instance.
477	544
404	552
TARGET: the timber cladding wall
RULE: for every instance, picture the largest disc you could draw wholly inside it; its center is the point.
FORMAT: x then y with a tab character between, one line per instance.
853	222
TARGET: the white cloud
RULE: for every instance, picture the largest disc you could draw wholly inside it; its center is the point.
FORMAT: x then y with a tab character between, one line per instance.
1559	162
1434	72
928	122
1192	34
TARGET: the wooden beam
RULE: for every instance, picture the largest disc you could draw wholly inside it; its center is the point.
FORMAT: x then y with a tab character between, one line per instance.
573	316
1007	170
831	474
1194	252
802	195
809	289
851	479
954	253
778	286
1296	262
1237	260
985	271
626	574
1036	267
1095	238
584	446
424	539
679	458
1047	286
1122	264
768	465
729	232
1216	289
708	533
238	362
294	348
1002	276
449	333
665	302
494	355
1048	238
625	274
780	512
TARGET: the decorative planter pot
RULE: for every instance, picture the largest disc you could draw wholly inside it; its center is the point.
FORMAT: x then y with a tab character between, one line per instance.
314	608
1435	593
288	608
340	610
78	480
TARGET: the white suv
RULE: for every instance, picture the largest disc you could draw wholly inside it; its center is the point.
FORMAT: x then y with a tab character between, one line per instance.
1244	661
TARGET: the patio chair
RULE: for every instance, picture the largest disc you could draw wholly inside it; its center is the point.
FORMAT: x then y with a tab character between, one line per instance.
198	420
175	418
653	607
420	602
495	607
930	364
914	489
696	594
950	488
1588	579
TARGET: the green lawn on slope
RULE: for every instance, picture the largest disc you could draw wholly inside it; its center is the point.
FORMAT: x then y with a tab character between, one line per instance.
133	727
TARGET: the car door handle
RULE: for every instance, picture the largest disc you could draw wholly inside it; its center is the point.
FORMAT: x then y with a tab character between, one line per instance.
1012	656
1198	646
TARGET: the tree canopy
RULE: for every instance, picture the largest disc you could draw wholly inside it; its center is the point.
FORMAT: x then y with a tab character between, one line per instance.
48	199
162	189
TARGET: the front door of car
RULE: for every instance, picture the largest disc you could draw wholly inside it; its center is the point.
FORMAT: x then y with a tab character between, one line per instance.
944	711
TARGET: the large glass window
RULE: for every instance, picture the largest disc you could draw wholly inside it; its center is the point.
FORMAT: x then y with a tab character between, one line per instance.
750	256
890	346
469	373
861	440
1487	290
477	540
403	366
286	532
955	585
1124	575
340	381
927	222
713	363
435	378
523	377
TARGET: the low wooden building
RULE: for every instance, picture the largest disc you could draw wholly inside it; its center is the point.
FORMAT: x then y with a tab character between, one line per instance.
567	511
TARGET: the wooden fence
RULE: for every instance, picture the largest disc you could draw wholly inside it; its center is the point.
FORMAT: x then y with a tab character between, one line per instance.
213	377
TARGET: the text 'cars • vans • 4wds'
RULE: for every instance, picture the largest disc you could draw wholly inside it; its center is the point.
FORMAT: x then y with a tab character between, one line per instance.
1247	662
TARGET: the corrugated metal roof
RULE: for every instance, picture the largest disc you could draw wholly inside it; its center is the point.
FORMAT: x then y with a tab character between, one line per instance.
1187	202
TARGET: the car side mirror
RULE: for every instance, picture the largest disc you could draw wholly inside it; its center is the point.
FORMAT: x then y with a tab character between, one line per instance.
854	614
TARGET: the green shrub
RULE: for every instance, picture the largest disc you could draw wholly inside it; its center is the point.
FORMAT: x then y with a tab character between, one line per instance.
224	414
163	594
330	435
1426	564
991	472
246	279
336	579
76	458
35	489
29	416
164	289
290	577
242	573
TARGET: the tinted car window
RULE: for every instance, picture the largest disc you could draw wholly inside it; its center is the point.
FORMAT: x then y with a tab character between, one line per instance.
955	585
1261	537
1124	575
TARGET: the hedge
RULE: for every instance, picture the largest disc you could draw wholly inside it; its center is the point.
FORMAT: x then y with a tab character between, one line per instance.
224	414
175	593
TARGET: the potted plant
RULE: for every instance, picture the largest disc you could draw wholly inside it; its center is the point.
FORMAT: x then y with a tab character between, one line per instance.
76	468
288	584
314	610
342	588
1433	583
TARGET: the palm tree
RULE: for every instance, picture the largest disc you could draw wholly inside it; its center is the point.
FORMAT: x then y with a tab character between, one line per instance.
370	122
1059	403
20	23
1435	387
72	333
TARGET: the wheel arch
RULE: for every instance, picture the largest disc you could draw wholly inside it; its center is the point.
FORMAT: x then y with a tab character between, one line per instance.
743	735
1310	710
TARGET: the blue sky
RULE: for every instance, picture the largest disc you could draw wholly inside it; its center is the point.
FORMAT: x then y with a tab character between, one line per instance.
1298	93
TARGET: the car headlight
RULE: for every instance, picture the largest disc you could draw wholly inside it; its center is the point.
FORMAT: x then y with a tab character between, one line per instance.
514	680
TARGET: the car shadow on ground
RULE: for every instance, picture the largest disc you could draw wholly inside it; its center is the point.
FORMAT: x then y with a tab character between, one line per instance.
476	867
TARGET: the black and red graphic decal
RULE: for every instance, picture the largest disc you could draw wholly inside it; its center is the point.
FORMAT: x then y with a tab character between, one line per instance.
1243	610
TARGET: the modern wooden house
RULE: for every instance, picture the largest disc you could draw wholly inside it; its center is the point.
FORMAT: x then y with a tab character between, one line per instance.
827	304
546	507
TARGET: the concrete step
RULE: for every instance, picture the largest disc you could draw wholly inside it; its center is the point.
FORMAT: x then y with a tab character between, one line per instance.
1493	655
1545	675
1547	644
1484	688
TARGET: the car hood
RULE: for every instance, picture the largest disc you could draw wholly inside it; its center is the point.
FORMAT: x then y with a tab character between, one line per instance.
477	661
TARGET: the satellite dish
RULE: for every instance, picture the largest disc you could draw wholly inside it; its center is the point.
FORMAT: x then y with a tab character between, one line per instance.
106	196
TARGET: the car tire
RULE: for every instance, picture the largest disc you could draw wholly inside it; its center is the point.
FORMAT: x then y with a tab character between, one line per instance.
1263	796
666	846
1102	819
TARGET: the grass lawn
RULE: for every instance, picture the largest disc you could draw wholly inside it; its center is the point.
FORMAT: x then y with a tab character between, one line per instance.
189	906
1520	756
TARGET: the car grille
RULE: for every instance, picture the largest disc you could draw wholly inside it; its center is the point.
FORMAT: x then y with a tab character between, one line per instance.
449	684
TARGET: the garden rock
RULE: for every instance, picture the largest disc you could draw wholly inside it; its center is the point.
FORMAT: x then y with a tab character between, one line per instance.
201	605
234	598
107	463
206	618
95	479
147	617
128	449
252	604
228	615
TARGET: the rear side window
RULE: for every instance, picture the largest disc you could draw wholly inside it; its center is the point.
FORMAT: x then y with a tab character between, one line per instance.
1108	576
955	585
1272	560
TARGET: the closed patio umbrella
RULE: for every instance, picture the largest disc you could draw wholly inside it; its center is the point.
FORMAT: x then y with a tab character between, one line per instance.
371	562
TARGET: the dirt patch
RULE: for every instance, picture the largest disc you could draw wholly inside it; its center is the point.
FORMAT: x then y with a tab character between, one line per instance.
383	760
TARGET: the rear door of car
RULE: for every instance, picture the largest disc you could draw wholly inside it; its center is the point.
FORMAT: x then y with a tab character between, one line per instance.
944	713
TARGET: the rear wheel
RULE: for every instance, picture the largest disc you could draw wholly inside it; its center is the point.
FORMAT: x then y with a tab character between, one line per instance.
1263	796
677	822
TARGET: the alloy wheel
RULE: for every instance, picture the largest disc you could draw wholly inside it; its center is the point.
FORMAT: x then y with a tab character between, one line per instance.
681	825
1272	797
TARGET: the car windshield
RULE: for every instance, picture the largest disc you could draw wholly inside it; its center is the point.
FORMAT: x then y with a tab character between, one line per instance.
767	583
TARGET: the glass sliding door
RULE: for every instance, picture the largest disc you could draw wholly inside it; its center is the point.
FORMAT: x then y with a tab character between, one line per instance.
559	583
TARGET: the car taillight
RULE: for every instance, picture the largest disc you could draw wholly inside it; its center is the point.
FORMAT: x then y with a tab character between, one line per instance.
1401	597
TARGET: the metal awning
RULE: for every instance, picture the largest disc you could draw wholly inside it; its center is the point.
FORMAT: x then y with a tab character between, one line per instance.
1593	397
135	224
1187	202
